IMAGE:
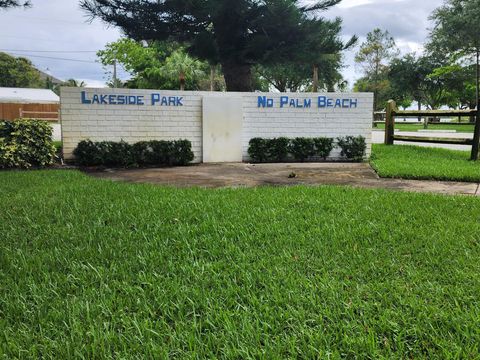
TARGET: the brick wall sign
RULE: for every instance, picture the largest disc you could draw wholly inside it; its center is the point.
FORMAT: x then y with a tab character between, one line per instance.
215	123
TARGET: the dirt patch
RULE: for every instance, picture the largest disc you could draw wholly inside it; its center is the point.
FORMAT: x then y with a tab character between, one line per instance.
250	175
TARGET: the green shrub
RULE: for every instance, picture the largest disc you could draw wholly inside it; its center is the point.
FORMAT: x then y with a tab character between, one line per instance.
353	147
277	149
182	153
258	150
323	147
25	143
141	152
144	153
302	148
118	154
89	153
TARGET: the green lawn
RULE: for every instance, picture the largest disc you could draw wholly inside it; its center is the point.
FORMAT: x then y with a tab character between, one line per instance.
419	126
426	163
95	269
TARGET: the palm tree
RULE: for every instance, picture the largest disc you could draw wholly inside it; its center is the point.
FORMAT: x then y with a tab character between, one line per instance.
179	65
74	83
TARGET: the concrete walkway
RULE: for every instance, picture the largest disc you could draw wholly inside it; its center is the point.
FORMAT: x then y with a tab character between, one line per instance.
249	175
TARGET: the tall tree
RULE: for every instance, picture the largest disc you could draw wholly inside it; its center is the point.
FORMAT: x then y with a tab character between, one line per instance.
238	34
374	56
6	4
18	72
457	29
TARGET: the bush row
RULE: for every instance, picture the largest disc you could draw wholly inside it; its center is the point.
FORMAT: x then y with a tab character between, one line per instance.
25	143
301	148
144	153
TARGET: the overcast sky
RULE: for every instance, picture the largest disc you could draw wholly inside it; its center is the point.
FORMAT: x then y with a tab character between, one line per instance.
59	29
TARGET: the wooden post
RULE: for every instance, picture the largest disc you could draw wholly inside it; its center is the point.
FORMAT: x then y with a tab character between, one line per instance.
390	122
476	135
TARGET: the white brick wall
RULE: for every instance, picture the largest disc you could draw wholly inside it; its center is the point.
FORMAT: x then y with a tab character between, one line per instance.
134	123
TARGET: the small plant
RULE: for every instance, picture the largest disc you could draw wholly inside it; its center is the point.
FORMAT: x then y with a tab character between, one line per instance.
25	143
353	147
181	153
258	150
302	148
278	149
89	153
323	147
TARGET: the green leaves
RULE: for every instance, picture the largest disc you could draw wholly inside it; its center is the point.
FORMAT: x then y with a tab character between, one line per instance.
353	147
283	149
25	143
18	72
145	153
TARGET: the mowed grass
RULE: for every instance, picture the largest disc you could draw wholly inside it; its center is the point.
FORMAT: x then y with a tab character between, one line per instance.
419	126
425	163
95	269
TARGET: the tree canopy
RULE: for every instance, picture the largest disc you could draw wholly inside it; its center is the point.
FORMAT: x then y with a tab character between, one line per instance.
374	56
18	72
6	4
237	34
160	65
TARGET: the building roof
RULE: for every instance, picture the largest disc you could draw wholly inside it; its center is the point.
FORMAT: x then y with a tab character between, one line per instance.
28	96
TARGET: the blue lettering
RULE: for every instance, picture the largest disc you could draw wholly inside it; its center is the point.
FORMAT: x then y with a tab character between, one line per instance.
140	100
95	99
329	102
262	101
84	98
179	101
292	103
155	98
322	101
171	101
103	99
283	101
132	100
338	103
353	103
307	103
111	99
164	101
345	103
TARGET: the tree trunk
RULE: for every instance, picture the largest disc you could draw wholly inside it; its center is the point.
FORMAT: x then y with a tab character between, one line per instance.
238	77
212	77
419	108
315	78
182	81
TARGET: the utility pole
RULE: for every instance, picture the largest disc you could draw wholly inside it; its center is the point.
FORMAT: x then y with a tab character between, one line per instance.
115	73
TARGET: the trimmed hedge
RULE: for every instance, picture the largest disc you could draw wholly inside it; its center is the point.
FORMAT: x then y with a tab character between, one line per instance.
353	147
26	143
144	153
301	148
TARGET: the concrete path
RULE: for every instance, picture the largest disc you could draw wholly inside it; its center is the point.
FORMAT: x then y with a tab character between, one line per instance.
378	137
249	175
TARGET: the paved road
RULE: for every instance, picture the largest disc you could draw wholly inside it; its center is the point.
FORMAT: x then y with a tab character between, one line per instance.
379	136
